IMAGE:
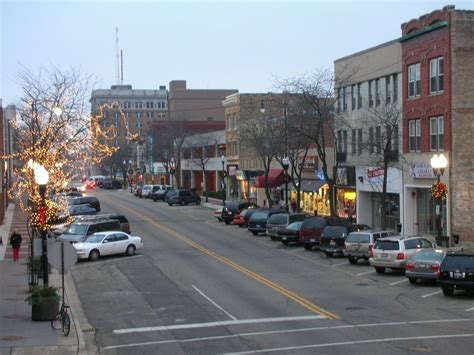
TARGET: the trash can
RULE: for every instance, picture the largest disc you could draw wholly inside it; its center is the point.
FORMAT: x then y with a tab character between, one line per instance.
443	241
456	238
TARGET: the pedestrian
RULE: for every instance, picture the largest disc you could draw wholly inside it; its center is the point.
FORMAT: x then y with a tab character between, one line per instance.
293	204
15	241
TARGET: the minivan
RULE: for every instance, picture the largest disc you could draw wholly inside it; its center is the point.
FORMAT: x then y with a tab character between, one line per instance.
182	197
359	245
280	221
78	231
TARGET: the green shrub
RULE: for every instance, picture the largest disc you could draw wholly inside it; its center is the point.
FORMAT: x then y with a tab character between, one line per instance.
40	293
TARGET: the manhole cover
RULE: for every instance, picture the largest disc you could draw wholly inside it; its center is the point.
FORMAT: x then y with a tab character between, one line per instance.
354	308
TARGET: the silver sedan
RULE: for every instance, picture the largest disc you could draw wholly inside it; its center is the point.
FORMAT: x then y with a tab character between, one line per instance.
424	265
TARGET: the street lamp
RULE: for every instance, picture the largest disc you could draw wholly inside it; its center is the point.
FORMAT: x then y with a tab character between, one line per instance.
439	164
286	164
42	178
223	179
172	165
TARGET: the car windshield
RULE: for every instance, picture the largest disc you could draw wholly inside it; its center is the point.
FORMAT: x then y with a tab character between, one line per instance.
80	229
459	261
358	238
296	226
334	232
260	215
429	255
386	245
94	238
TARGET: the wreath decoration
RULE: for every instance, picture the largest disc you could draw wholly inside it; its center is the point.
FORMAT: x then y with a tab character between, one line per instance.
439	190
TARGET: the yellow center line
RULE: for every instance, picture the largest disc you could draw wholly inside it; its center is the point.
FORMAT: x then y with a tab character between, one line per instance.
283	291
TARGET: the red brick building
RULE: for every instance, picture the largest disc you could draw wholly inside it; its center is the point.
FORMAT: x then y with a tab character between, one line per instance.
438	116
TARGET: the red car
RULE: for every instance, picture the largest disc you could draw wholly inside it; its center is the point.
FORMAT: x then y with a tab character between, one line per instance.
90	184
239	219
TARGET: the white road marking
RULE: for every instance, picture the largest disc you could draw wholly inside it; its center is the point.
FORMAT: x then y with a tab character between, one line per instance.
340	264
214	303
365	273
356	342
216	324
398	282
270	332
470	309
431	294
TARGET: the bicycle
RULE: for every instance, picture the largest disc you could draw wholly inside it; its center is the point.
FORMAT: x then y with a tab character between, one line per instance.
62	320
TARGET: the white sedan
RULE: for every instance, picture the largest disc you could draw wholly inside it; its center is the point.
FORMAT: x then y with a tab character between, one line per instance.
107	243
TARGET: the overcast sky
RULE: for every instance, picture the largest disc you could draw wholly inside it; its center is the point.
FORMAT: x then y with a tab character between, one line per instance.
240	45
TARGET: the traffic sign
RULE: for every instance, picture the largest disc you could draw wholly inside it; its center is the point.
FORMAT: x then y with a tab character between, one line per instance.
54	255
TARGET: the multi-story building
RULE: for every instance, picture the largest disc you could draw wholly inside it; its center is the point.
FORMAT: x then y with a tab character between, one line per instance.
130	111
438	116
367	125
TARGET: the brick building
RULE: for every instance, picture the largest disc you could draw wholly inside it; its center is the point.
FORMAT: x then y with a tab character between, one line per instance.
438	116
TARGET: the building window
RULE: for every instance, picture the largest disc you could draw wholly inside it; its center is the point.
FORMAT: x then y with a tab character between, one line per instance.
139	115
127	114
115	115
149	104
149	114
353	142
127	104
353	98
371	140
359	96
395	87
437	133
414	131
388	90
378	139
371	93
339	100
344	104
394	139
378	92
344	141
359	141
139	124
436	75
414	85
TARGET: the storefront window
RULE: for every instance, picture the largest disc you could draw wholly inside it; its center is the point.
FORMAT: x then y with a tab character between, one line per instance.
346	203
313	201
426	213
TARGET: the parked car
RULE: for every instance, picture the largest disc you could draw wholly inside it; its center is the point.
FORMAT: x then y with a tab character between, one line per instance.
457	271
107	243
231	208
74	194
90	200
239	218
247	216
77	210
258	221
333	238
424	265
182	197
281	220
78	231
124	223
218	214
111	184
290	233
393	252
310	232
359	245
159	195
146	191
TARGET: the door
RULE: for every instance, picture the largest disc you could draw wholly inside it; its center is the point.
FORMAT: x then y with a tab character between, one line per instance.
121	243
109	245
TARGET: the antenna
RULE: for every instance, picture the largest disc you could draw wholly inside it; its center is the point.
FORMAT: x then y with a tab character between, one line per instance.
121	67
117	56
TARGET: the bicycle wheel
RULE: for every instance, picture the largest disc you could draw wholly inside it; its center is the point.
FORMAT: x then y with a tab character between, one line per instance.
56	321
66	324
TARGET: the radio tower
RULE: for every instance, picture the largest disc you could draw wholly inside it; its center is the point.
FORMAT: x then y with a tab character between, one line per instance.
117	57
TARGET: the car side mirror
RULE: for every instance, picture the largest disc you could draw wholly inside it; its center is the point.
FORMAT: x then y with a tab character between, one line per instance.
105	241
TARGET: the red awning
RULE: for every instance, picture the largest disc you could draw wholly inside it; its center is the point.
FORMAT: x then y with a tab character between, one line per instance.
274	178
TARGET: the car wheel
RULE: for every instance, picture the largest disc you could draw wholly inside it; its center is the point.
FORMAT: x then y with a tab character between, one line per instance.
154	199
130	250
412	280
352	260
198	202
254	233
308	246
328	253
285	242
241	226
170	204
379	270
227	222
94	255
448	291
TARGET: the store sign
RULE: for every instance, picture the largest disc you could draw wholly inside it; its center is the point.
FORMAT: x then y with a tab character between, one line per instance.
232	170
319	175
309	163
421	171
375	172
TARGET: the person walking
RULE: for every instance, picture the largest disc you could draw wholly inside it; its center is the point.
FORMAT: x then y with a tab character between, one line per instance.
15	241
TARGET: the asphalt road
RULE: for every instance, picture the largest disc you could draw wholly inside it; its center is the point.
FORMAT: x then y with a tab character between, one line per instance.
203	287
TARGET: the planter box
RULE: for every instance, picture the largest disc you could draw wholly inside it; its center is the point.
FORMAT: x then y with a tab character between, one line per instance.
45	311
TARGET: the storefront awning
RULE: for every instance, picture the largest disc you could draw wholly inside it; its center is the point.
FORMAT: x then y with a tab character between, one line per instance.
307	185
274	178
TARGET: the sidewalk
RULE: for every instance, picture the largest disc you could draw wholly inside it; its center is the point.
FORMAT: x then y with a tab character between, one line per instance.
18	333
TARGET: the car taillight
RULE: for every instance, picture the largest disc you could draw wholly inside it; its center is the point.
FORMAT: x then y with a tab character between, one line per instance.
400	256
434	267
409	266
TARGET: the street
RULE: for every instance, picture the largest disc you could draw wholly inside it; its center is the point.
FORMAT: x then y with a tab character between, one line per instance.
200	286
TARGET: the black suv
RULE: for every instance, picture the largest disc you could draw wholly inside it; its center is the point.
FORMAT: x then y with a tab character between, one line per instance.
90	200
258	220
77	231
182	197
457	271
231	208
333	238
111	184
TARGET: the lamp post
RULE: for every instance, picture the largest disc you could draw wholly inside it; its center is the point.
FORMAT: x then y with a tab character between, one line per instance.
223	179
286	164
439	164
42	178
